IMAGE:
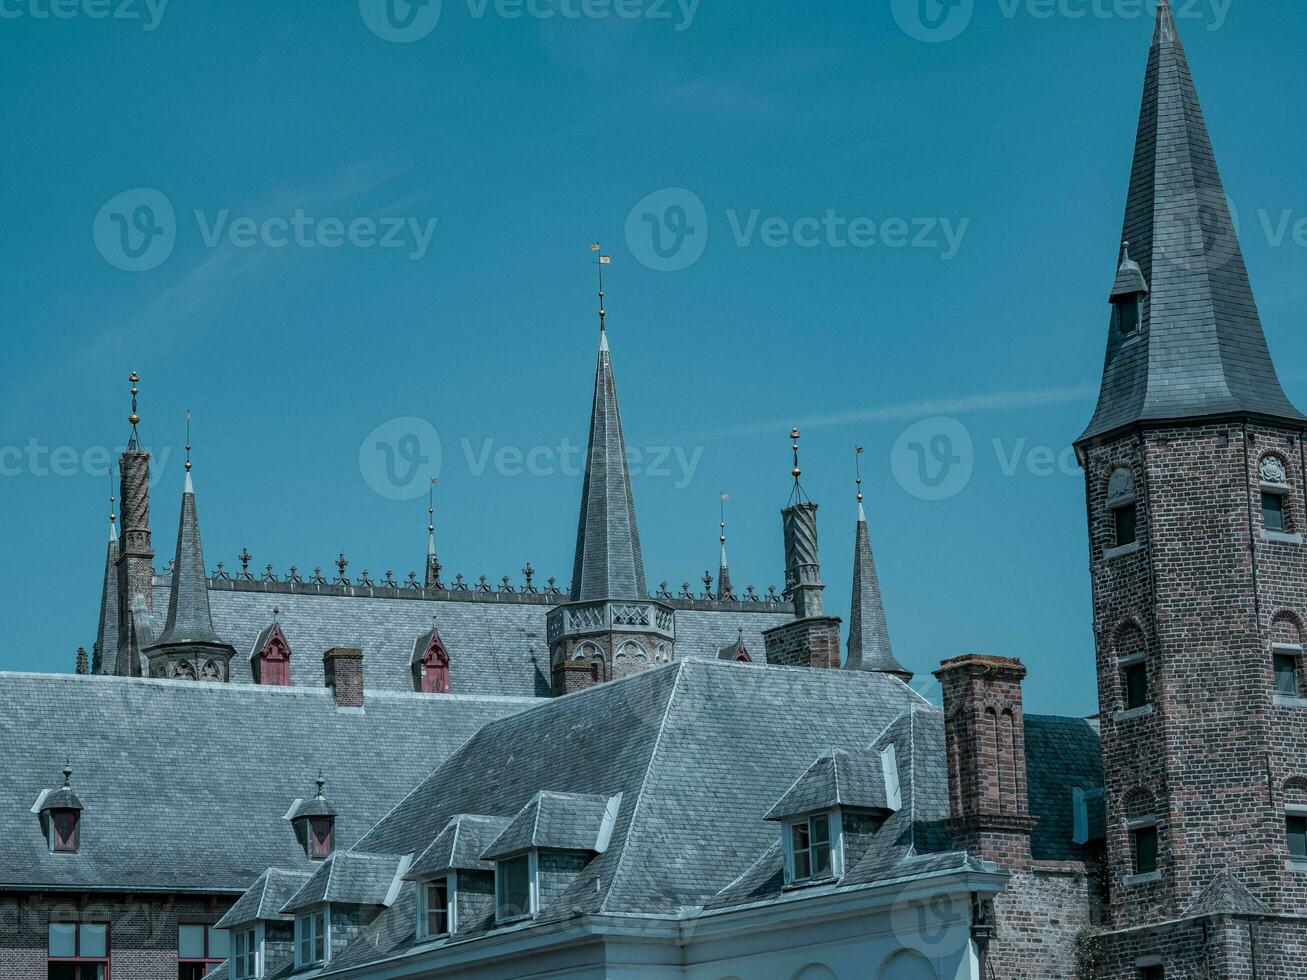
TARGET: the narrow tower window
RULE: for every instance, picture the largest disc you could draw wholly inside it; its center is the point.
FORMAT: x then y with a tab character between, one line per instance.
1121	502
1295	825
1123	518
1273	511
1286	674
1143	844
1136	684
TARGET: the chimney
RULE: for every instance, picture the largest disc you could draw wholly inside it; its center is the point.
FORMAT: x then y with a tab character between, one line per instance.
343	669
985	740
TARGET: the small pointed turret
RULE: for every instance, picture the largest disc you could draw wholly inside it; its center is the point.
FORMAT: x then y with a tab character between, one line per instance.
433	563
724	590
869	646
188	647
1185	339
104	654
135	551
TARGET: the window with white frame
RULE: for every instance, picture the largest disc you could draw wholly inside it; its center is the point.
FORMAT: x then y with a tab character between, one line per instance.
311	937
810	848
515	887
246	946
436	907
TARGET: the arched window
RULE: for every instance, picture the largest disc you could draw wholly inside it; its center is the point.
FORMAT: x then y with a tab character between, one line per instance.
1273	471
271	662
1132	662
908	964
1287	655
431	666
1122	505
1141	825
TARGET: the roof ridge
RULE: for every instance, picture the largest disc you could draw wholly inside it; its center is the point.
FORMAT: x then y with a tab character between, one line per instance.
644	780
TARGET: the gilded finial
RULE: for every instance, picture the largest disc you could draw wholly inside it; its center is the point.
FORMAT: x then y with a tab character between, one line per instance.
725	497
431	506
188	440
794	437
68	773
113	517
320	783
857	468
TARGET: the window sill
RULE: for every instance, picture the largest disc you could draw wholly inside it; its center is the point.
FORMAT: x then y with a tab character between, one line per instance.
1298	865
811	882
515	920
1280	537
1285	701
1145	879
1132	713
1122	550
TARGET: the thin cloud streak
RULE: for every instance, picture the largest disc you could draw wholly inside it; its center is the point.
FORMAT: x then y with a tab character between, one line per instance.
994	401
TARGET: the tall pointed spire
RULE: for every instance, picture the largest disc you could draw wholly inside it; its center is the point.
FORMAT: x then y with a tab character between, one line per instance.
869	646
724	590
189	647
1186	340
609	563
104	654
135	550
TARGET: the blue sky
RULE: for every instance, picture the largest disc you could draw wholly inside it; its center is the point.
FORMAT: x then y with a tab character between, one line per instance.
859	230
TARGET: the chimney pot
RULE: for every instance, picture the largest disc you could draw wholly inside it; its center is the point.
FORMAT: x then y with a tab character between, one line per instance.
342	668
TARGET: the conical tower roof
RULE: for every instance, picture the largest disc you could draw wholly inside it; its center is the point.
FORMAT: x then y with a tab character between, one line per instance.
609	564
1199	350
189	621
869	645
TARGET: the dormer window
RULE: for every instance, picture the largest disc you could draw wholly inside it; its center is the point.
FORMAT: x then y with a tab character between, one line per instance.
1127	315
314	822
311	937
1128	294
61	816
436	907
810	848
515	887
430	664
270	663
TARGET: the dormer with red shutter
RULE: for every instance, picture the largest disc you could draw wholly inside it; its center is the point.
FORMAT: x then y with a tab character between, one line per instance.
270	658
430	663
735	650
60	812
314	822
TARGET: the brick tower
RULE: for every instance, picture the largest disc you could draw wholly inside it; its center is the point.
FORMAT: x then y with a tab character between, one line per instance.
1194	468
135	553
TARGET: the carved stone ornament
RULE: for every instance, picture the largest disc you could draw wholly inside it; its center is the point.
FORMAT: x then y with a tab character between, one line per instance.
1120	486
1272	470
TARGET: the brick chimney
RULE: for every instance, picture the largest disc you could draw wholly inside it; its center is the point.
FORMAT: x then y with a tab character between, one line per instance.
985	738
342	668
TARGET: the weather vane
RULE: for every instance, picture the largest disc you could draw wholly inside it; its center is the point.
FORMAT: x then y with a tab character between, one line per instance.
602	260
857	468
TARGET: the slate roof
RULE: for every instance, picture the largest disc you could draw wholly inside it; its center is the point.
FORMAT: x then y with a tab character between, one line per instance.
1226	895
350	878
609	563
1062	753
459	846
1200	350
557	821
263	900
837	778
156	760
868	644
693	749
494	647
